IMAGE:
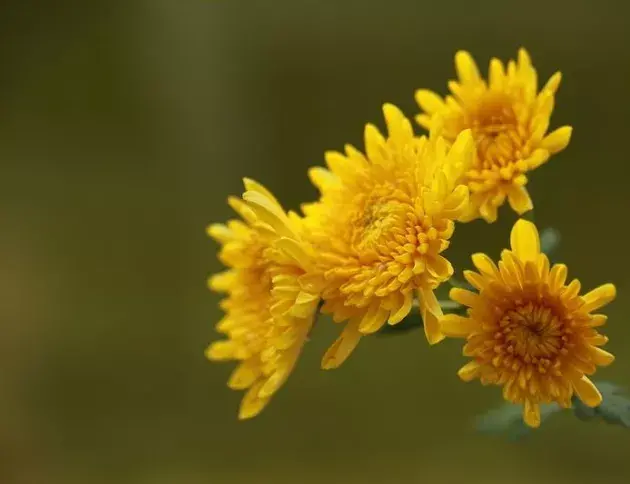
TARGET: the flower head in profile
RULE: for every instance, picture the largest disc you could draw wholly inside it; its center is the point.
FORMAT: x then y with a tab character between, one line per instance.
529	331
380	226
509	119
270	304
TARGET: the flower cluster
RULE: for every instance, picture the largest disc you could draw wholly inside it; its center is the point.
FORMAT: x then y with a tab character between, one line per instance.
371	248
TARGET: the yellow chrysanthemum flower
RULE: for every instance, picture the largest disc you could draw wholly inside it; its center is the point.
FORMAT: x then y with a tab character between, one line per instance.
529	331
509	119
270	304
380	227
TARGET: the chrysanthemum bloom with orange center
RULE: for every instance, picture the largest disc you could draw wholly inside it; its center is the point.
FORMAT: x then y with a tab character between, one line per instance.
509	119
270	304
529	331
380	226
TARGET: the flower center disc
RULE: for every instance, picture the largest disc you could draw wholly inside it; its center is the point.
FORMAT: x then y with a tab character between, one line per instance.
495	128
532	334
378	214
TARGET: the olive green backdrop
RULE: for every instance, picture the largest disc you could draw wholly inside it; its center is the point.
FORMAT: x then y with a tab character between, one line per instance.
123	128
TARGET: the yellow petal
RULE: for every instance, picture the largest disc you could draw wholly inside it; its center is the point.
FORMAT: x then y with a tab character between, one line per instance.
543	266
519	199
511	268
587	391
469	371
536	159
597	320
475	279
597	340
269	213
460	156
312	283
341	166
488	211
220	232
282	337
531	414
456	203
257	187
221	350
374	318
601	357
225	325
223	281
273	384
431	312
525	241
244	376
305	306
281	307
557	276
342	347
398	126
358	158
373	140
306	297
599	297
321	178
530	273
466	67
497	73
424	120
557	140
553	83
402	310
485	265
436	128
572	290
455	326
429	102
252	404
295	250
278	377
544	107
432	330
471	212
524	60
439	267
464	297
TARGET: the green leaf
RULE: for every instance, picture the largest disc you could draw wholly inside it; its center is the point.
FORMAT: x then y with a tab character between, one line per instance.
508	420
581	411
615	406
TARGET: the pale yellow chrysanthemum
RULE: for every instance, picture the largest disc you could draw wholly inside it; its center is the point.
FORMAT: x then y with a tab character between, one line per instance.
270	304
529	331
509	119
380	227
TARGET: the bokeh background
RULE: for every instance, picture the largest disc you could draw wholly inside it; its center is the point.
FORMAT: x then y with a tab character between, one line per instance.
123	128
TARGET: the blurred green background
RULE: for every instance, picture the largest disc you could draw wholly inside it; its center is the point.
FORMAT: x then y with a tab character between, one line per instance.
123	128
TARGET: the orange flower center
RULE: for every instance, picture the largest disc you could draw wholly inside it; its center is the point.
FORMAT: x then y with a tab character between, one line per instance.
531	335
378	214
495	128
